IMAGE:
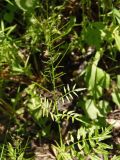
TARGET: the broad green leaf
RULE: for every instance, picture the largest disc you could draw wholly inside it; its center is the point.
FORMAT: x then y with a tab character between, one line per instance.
90	33
116	98
95	30
95	76
26	5
117	37
118	81
104	107
116	14
9	17
97	79
90	76
91	109
96	92
102	78
117	40
97	57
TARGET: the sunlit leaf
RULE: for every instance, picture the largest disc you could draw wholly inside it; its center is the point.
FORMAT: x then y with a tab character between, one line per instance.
25	5
116	98
91	109
116	14
118	81
116	36
96	80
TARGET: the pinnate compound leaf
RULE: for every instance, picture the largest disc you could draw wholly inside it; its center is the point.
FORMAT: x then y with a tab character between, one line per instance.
21	156
11	151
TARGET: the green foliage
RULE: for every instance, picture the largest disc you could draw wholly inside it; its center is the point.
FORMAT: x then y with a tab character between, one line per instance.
26	5
96	30
42	45
14	152
116	15
88	140
116	37
9	53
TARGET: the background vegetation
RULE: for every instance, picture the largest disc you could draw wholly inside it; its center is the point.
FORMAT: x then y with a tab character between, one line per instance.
59	79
